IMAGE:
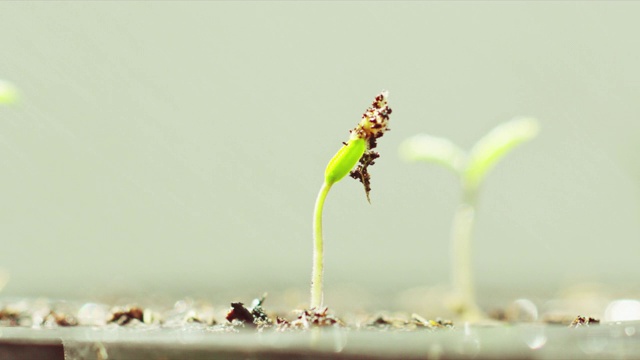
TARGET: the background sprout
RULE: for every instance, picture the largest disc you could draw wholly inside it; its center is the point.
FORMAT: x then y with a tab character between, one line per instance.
359	148
8	93
471	168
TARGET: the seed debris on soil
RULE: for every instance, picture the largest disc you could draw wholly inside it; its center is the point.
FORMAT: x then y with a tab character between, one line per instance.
41	313
384	322
60	319
310	318
581	321
127	315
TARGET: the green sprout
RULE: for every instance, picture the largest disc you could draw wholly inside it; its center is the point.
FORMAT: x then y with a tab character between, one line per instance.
8	93
359	148
471	168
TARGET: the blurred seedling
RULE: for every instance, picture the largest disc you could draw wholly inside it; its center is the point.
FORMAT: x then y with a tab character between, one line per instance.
8	96
8	93
471	168
357	150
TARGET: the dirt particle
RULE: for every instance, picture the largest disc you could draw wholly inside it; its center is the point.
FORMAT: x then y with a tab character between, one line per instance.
239	313
581	321
260	317
124	316
312	318
9	317
60	319
431	324
254	316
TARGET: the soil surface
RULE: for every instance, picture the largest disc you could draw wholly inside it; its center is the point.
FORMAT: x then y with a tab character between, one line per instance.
37	328
42	313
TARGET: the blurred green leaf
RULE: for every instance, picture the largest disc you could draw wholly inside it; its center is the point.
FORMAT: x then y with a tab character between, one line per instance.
423	147
495	145
8	93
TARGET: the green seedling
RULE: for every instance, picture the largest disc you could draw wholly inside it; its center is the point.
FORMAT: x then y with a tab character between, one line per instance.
8	93
471	168
359	148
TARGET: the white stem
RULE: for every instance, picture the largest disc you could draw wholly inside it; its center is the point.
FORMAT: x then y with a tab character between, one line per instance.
462	231
317	275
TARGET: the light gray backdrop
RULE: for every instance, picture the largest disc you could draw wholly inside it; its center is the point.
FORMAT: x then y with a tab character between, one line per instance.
177	148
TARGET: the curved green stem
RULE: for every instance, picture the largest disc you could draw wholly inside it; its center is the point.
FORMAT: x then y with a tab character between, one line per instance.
318	249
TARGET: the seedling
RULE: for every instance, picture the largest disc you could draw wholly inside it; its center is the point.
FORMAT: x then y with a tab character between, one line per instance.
359	148
8	93
471	168
8	96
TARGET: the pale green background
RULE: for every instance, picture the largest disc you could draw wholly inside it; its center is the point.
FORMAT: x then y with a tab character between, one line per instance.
177	148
